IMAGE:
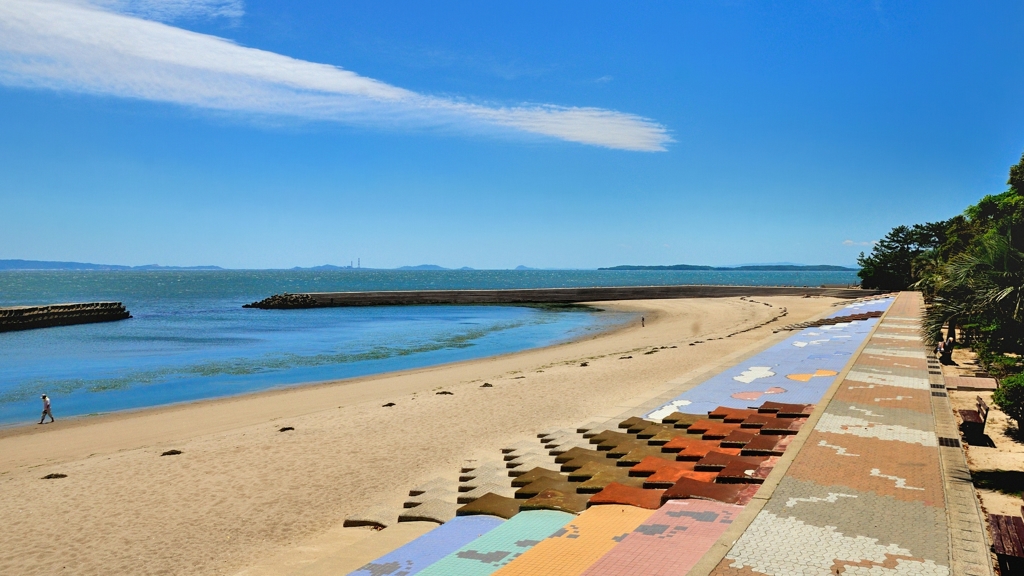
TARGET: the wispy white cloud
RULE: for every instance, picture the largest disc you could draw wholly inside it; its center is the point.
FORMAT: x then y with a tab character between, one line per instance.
72	46
171	10
854	243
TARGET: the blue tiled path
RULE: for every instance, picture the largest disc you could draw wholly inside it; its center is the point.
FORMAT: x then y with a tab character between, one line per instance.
430	547
798	370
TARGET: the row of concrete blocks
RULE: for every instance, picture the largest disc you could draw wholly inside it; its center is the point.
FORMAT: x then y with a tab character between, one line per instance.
437	500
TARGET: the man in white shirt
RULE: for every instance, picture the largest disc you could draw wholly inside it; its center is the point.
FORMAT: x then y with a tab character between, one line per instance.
46	409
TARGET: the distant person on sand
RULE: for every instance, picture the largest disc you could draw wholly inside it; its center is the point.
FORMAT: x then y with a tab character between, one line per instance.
46	409
641	321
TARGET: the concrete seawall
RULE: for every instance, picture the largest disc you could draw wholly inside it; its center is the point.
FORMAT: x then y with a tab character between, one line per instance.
540	296
28	317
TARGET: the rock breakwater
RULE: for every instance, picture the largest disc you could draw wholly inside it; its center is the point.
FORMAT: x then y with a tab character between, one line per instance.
541	295
28	317
284	301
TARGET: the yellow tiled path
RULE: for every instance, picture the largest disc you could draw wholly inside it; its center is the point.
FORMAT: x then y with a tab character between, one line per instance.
580	543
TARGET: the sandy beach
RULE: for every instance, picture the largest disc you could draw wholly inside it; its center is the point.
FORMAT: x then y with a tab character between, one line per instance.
243	497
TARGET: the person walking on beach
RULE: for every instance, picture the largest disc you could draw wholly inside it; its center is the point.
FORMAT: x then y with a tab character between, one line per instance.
641	321
46	409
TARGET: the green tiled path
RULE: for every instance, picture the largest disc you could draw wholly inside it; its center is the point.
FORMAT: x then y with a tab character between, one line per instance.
500	546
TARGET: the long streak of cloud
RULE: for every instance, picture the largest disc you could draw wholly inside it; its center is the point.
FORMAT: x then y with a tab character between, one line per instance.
73	46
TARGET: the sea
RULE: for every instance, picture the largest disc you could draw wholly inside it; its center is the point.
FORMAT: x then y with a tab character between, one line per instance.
189	337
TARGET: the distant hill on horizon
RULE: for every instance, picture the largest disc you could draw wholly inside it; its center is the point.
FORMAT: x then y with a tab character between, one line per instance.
47	265
15	265
749	268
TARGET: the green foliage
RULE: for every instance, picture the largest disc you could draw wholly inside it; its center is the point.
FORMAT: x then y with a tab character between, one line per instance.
891	264
970	269
1010	398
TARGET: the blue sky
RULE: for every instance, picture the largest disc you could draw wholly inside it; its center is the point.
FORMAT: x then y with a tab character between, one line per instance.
274	134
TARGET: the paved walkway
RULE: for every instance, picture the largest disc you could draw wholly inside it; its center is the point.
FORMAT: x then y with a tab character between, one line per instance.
861	491
866	493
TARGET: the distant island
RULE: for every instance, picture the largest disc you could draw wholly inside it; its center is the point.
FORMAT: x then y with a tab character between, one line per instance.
46	265
748	268
14	265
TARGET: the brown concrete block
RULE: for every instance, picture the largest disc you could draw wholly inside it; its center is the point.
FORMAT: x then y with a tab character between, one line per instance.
588	470
565	501
577	452
492	505
681	419
606	476
535	474
542	484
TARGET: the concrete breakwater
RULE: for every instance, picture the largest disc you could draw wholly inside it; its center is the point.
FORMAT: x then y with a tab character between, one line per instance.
28	317
540	296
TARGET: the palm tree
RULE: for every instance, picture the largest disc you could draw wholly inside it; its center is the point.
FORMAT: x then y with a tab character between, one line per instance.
981	290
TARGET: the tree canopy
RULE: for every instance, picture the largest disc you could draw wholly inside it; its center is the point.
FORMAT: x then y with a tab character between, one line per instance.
970	269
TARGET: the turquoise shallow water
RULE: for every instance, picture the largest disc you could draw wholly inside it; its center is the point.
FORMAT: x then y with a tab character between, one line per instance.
191	339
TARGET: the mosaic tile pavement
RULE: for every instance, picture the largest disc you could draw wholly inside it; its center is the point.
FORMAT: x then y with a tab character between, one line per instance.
580	543
654	493
430	547
496	548
865	494
671	541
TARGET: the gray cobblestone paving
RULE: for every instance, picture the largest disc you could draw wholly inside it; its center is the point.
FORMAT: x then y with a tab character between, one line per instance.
883	415
911	525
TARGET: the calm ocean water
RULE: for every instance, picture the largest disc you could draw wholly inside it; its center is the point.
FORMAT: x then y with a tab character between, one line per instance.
191	339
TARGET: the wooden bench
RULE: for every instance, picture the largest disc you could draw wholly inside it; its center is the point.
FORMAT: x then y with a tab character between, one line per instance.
974	420
1008	542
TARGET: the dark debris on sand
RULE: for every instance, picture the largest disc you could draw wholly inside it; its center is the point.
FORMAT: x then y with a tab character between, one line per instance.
171	453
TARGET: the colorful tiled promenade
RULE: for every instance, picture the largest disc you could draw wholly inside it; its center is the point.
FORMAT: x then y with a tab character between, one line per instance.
719	480
865	493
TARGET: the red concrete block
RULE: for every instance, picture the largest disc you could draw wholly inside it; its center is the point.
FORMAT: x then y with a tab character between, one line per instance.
731	415
652	464
715	461
756	420
703	427
738	438
766	445
667	477
786	410
688	488
738	472
616	493
782	426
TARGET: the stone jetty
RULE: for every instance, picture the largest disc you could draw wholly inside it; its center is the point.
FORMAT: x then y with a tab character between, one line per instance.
28	317
541	296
